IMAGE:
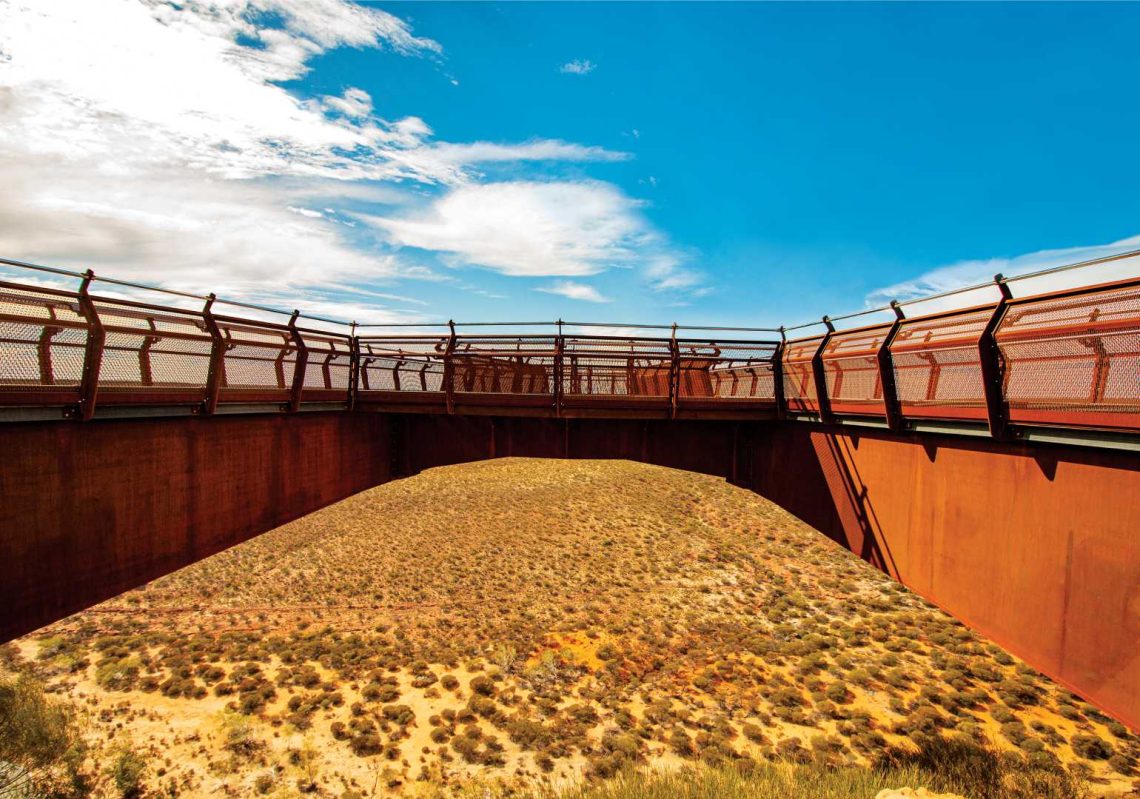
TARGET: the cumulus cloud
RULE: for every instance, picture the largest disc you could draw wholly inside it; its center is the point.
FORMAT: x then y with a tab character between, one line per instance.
574	291
974	272
528	228
152	137
578	67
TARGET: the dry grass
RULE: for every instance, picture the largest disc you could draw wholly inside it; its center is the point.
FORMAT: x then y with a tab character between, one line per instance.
534	621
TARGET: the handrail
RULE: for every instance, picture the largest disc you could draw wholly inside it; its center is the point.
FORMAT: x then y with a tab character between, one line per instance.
982	365
891	307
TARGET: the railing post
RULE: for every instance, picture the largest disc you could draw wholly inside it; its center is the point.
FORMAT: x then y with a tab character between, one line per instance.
146	373
353	365
820	373
887	371
299	365
674	372
217	358
778	375
993	369
43	350
93	352
449	368
559	347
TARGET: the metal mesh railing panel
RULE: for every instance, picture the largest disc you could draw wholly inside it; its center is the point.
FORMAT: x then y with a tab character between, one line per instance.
937	364
518	365
951	376
402	364
851	370
43	337
726	370
152	349
601	367
257	358
1073	360
329	364
798	376
942	331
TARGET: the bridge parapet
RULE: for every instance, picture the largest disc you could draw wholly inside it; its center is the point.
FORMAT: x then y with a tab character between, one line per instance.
1069	360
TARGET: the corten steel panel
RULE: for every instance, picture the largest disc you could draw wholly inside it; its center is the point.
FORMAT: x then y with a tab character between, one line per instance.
800	395
426	441
1022	544
851	368
937	365
1073	359
89	510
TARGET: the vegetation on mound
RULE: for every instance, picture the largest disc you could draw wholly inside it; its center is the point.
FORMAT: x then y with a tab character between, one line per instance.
944	767
41	751
543	621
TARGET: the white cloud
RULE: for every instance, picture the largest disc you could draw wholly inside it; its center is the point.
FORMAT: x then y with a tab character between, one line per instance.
667	272
574	291
974	272
354	103
578	67
529	229
150	138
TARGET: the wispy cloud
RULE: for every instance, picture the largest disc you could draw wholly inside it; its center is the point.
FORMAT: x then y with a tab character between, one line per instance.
973	272
578	67
154	138
574	291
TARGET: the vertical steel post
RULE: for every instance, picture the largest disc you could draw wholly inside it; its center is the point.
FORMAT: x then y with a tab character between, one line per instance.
778	375
299	365
216	374
146	373
993	369
449	368
43	350
674	372
820	374
887	371
559	346
353	365
93	352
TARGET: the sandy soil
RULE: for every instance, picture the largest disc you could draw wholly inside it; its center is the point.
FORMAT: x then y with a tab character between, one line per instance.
538	622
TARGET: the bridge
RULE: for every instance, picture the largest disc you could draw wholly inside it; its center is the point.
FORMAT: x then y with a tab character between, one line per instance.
985	456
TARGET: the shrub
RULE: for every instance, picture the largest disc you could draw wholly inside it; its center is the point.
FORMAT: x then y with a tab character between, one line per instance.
127	772
528	734
1120	764
366	744
754	734
39	737
483	686
680	743
1091	747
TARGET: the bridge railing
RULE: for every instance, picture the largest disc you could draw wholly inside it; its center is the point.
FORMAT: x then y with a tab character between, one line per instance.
1072	359
1068	359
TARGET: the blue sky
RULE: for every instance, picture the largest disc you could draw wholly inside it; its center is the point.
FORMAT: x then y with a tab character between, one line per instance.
737	164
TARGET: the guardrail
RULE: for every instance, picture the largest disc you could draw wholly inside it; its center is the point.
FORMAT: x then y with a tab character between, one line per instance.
1065	360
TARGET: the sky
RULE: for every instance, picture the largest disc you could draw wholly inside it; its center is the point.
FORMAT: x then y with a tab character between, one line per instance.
737	164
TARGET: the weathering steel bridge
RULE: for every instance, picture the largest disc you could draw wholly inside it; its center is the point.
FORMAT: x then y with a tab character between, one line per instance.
986	457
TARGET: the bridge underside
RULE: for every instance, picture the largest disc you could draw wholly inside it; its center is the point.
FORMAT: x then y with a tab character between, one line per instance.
1035	546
